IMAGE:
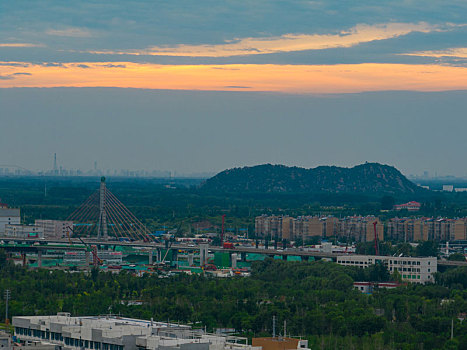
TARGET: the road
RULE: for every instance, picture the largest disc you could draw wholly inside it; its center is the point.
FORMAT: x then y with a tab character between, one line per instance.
34	244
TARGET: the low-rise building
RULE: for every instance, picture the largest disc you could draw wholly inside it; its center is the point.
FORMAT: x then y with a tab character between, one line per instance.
448	188
24	231
55	229
369	287
119	333
411	269
410	206
280	343
8	216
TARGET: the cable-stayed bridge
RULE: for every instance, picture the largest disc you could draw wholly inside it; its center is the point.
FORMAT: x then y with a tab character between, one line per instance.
105	217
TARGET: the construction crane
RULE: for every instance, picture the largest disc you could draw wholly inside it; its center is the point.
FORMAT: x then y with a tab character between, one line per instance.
222	232
348	238
68	228
93	250
376	238
169	245
87	245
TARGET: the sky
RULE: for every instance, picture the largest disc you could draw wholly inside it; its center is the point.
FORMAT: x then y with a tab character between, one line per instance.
200	86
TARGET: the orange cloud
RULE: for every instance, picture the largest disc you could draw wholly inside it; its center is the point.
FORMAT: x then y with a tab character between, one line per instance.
20	45
286	43
320	79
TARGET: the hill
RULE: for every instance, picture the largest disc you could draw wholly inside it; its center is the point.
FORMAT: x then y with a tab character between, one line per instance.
372	178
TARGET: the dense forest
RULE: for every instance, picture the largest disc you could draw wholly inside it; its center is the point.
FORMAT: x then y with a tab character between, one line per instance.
316	299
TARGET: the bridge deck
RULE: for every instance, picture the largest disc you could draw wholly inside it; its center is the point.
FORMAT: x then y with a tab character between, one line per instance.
31	244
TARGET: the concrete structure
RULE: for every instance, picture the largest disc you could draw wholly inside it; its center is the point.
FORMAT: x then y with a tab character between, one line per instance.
119	333
55	229
24	231
102	224
415	270
203	254
8	216
233	260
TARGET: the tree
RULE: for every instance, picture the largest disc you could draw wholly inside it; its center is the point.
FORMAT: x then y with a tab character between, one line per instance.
427	248
456	257
387	203
2	258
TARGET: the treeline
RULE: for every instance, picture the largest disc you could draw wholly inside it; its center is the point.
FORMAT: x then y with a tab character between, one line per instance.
157	206
316	299
423	249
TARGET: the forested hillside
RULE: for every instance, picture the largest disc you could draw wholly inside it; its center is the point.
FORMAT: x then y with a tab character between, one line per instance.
365	178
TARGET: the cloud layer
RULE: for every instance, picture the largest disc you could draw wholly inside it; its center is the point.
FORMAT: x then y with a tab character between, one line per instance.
287	43
301	79
295	46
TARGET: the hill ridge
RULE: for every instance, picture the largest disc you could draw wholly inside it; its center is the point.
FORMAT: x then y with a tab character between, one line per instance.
269	178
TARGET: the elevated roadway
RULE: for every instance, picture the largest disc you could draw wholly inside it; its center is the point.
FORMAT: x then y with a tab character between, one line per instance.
13	244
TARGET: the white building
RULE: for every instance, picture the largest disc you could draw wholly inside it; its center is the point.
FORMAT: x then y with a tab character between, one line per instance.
8	216
78	258
55	229
448	188
119	333
415	270
24	231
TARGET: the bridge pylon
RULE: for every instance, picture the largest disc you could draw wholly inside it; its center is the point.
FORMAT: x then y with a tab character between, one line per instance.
103	216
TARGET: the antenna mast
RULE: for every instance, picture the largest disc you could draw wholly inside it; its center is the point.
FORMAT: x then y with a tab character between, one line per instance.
55	164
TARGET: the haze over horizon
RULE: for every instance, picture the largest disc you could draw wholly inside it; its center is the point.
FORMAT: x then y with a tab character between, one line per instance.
205	86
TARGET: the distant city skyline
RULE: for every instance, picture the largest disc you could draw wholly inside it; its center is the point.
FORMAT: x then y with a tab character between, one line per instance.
17	170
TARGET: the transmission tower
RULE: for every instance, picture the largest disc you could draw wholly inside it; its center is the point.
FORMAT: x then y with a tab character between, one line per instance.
55	164
7	299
